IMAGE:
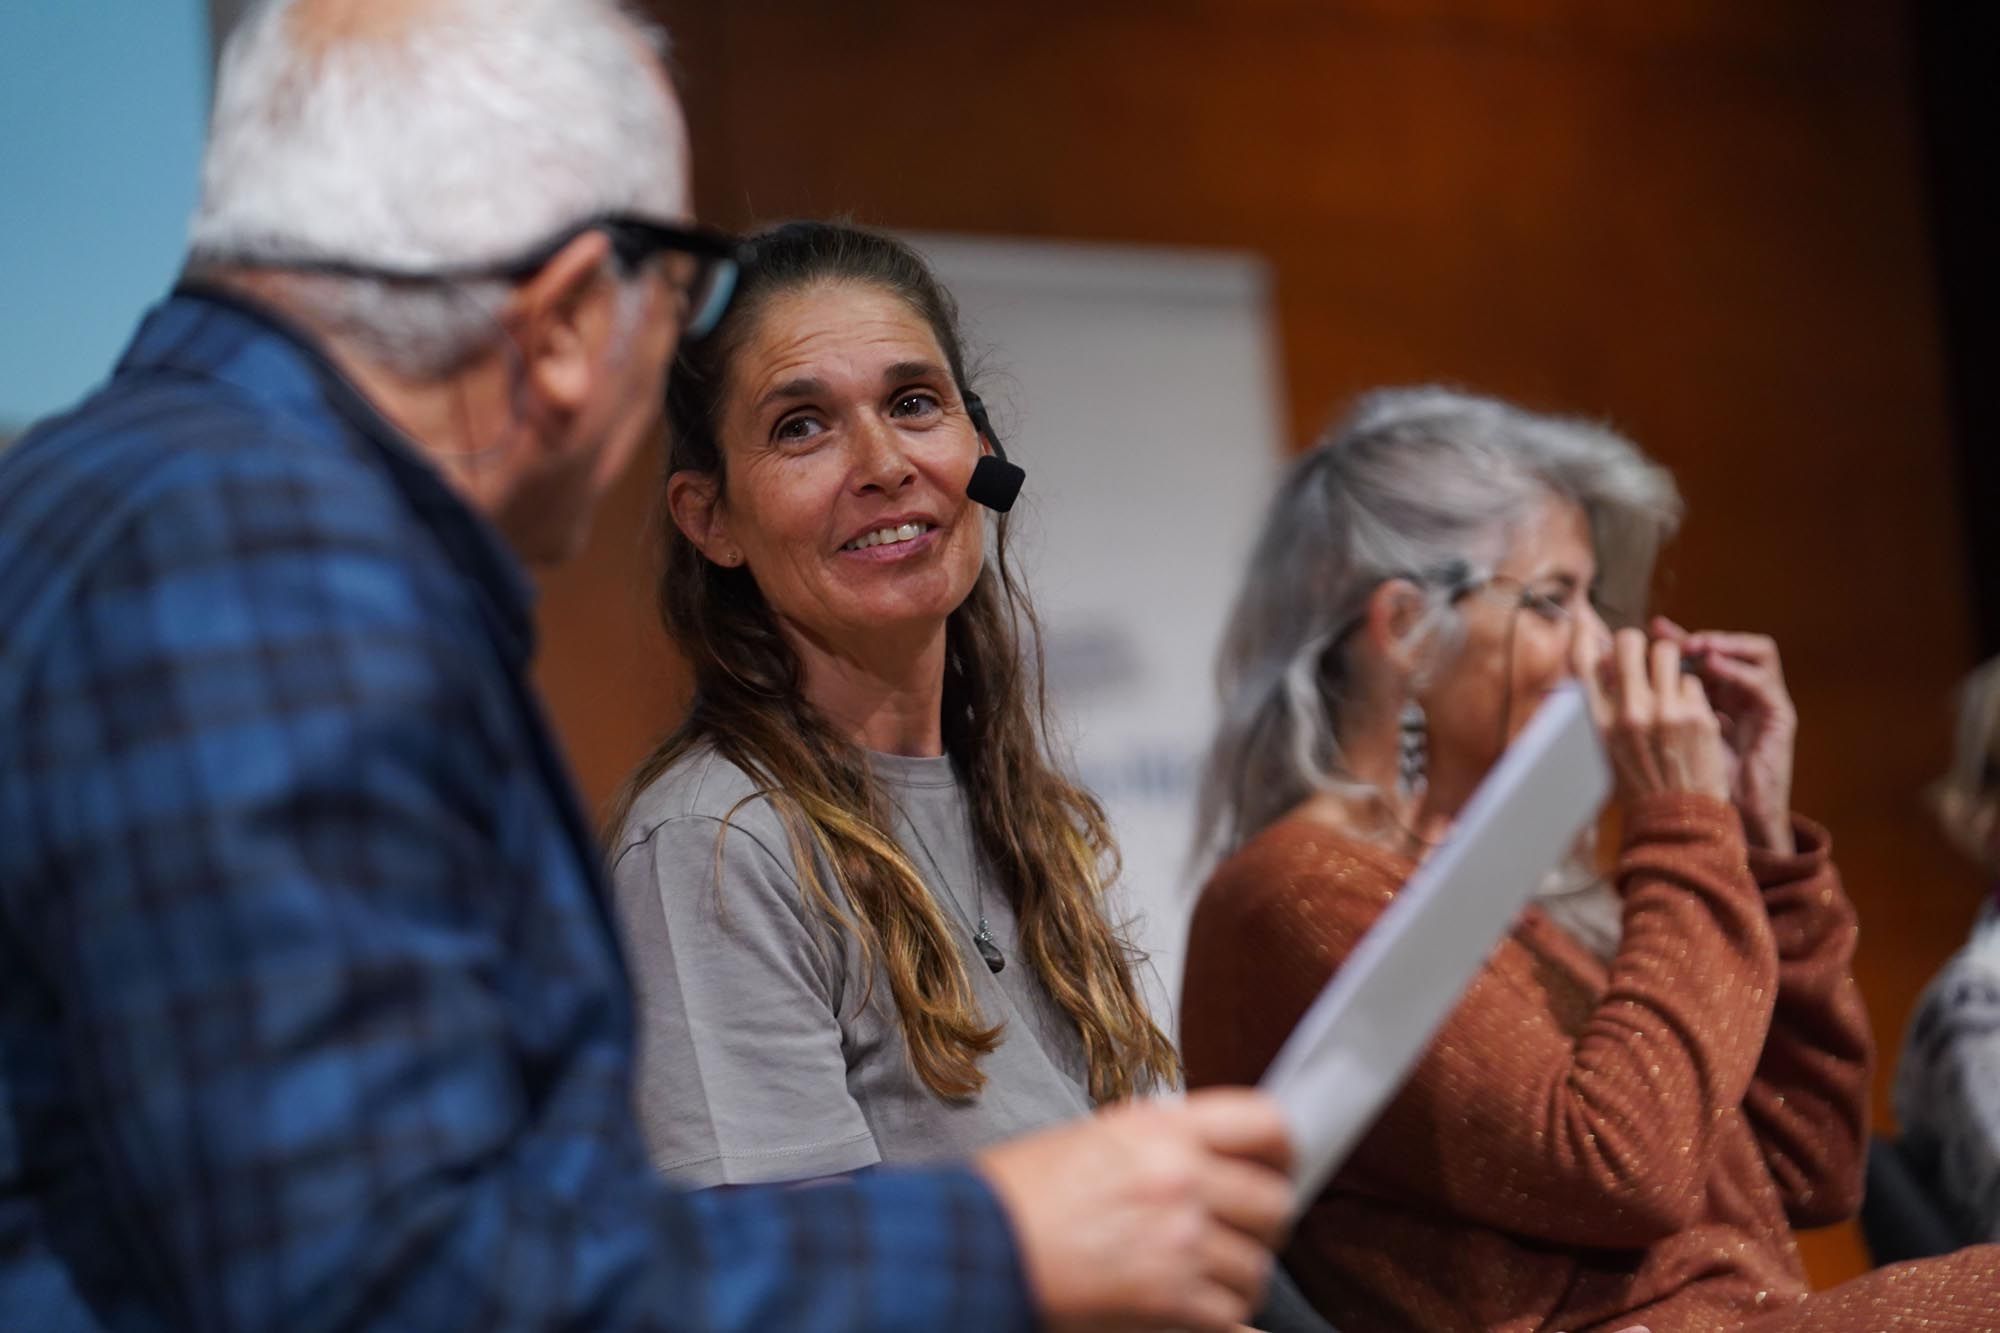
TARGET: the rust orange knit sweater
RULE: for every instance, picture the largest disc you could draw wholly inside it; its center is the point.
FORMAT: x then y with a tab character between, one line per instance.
1582	1146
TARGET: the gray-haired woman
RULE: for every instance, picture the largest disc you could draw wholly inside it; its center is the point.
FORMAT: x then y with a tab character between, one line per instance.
1948	1081
1661	1072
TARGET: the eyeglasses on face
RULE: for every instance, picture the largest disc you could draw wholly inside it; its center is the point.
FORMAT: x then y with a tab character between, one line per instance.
1552	601
716	260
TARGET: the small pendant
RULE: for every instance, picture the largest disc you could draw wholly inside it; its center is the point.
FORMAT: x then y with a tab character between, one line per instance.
983	940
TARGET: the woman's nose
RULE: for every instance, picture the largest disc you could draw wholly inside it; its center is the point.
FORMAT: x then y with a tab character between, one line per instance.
1597	634
1590	640
881	463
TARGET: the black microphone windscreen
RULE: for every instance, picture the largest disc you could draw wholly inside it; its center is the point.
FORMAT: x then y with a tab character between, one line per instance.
995	483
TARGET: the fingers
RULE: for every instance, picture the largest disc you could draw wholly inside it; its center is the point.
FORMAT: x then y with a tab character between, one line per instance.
1242	1182
1739	689
1760	649
1752	691
1663	736
1631	695
1696	713
1692	695
1749	647
1240	1123
1212	1308
1245	1206
1690	710
1748	662
1696	742
1716	647
1742	671
1758	682
1252	1200
1663	660
1238	1265
1630	703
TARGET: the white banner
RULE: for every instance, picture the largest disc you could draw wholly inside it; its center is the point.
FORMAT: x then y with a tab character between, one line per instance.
1140	390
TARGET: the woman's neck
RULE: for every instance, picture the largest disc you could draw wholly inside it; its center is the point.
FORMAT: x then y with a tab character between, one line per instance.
886	695
1375	756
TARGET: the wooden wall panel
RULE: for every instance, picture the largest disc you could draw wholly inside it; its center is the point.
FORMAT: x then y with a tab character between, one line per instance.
1700	219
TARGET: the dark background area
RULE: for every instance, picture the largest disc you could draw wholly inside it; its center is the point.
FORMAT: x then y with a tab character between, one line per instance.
1955	43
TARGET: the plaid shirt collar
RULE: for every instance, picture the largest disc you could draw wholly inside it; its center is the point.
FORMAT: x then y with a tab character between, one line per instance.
214	333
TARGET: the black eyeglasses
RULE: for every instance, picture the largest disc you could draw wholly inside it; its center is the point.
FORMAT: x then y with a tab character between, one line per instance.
718	260
1455	577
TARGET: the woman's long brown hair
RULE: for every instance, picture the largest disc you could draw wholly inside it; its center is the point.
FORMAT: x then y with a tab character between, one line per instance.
1047	838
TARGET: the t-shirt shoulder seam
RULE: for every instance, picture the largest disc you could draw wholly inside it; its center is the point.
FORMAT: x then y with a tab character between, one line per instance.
691	774
783	864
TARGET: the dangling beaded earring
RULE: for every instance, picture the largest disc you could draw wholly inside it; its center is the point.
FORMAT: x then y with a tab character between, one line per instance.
1413	753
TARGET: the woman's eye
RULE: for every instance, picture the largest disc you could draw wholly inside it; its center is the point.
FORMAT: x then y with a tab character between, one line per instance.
792	430
914	405
1549	606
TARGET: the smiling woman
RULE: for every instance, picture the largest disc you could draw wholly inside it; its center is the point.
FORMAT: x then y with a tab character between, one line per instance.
847	502
859	898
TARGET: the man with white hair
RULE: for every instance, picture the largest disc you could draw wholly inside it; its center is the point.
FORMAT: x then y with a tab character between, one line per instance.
311	1016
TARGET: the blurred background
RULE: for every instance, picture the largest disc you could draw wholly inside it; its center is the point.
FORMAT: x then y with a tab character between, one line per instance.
1752	235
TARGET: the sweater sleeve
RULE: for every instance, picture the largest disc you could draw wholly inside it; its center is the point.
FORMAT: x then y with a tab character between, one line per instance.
1808	1104
1602	1134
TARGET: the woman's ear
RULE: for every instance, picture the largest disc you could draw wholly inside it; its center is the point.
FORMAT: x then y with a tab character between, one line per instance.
1393	610
695	501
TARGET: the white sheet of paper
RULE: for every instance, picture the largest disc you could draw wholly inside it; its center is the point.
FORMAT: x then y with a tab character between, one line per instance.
1358	1041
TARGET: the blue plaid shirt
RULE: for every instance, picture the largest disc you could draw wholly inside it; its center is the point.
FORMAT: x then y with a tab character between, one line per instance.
311	1016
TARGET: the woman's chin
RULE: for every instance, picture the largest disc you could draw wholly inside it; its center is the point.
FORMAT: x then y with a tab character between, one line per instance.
908	604
897	618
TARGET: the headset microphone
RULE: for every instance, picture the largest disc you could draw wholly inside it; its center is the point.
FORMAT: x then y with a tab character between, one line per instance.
995	481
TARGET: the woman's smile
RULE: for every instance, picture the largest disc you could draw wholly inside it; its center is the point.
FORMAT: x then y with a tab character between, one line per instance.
893	540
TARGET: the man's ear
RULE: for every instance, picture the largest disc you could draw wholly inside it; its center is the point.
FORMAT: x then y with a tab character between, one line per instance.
1393	610
695	501
562	318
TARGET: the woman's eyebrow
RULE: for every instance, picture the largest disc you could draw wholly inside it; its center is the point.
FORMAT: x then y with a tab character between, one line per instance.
1565	576
903	371
805	386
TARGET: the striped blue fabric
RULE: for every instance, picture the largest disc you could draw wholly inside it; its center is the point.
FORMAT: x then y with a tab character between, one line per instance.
311	1015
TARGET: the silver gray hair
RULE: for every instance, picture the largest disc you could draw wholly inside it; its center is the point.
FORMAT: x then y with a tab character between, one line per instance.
1428	484
1967	797
469	133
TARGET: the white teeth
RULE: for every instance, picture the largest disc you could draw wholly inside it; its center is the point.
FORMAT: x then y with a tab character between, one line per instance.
886	536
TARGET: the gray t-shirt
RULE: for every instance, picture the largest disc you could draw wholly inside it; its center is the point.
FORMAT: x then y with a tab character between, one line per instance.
764	1055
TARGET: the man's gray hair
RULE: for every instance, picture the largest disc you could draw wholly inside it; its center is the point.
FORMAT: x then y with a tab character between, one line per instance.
1428	484
463	133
